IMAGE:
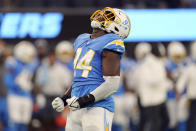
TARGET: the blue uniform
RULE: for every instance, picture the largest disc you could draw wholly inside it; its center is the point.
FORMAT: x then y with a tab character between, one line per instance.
175	71
68	65
88	65
16	67
4	117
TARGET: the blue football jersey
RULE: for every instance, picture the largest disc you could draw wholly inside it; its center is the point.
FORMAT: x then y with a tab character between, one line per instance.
88	64
15	68
175	70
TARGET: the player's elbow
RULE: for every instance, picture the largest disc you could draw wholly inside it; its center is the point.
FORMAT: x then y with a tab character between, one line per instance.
107	88
113	83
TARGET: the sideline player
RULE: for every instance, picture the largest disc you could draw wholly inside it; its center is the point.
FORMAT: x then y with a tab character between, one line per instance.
175	65
18	80
96	72
188	81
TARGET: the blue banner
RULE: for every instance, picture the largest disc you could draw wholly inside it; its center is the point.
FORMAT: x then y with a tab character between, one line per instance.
162	25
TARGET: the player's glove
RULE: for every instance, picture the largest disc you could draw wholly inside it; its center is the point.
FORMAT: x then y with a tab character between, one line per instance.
59	103
75	103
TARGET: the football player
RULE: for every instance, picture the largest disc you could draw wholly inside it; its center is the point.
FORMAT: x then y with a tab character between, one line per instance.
188	80
175	66
96	72
18	80
141	50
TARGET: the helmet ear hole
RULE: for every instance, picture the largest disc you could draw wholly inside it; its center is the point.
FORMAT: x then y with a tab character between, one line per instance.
116	29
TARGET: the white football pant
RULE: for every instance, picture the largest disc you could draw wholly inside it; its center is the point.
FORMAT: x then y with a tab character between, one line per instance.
20	109
182	112
89	119
172	112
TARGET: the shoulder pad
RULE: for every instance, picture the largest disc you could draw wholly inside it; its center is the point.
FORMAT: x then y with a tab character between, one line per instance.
79	40
115	45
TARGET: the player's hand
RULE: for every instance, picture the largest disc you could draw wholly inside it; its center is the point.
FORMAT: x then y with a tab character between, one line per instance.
58	104
76	103
73	103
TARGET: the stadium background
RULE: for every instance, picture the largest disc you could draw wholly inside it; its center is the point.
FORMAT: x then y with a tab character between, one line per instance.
75	18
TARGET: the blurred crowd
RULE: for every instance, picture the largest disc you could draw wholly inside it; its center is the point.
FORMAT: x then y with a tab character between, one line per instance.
98	3
157	90
32	75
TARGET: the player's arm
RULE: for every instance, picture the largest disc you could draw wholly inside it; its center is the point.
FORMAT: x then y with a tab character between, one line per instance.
110	63
111	75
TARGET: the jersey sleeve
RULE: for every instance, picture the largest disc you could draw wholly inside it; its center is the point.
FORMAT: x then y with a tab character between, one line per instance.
10	63
116	46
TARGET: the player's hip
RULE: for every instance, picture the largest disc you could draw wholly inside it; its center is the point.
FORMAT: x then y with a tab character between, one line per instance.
88	119
107	103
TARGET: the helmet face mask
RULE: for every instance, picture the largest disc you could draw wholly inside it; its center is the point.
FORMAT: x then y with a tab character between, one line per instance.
178	58
105	17
176	51
112	21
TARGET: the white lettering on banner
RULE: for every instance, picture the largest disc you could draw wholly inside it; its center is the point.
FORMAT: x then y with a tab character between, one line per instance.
34	25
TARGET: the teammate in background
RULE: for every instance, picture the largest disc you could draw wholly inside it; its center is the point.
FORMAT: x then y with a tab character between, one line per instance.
18	80
142	49
65	54
4	117
188	80
175	66
150	82
96	72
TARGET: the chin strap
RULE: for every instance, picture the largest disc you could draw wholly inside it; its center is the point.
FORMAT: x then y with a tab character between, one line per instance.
95	24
